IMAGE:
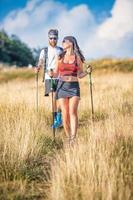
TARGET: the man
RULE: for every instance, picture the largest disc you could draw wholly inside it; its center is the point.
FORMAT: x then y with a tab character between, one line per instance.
47	59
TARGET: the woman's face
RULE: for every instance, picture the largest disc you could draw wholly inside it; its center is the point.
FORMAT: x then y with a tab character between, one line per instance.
67	44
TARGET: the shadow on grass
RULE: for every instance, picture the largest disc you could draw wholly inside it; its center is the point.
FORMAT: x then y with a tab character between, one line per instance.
38	168
86	117
127	108
14	191
123	153
30	182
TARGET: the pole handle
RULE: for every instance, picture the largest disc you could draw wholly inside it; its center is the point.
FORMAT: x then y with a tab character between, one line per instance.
51	76
89	69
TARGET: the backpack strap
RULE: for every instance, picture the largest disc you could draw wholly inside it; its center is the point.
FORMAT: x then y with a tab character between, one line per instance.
45	61
61	49
45	57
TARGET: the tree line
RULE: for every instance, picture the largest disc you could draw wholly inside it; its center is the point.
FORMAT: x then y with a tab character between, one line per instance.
15	52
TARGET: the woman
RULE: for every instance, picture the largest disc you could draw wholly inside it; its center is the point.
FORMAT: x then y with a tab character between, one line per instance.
69	67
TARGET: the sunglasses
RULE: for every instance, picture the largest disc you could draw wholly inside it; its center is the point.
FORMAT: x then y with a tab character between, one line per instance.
67	41
52	38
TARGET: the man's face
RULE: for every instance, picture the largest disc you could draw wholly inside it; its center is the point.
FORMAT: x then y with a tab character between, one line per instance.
53	40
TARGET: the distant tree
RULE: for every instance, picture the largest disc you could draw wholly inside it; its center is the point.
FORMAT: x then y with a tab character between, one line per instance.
14	51
36	53
4	41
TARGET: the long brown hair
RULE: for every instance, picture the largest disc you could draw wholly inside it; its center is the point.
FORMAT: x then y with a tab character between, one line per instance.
76	49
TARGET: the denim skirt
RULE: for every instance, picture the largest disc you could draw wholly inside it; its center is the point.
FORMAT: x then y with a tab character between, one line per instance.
67	89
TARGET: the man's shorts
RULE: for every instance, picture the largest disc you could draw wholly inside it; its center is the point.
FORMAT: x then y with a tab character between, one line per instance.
50	85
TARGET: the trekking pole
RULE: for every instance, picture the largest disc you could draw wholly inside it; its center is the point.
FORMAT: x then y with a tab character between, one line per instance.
52	100
91	93
37	91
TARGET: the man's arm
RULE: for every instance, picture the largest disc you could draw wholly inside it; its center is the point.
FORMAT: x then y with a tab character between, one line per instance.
40	64
40	61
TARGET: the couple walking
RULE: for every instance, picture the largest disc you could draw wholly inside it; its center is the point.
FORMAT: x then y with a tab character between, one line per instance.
65	66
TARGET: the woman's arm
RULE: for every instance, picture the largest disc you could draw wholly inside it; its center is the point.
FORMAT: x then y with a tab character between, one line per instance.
81	73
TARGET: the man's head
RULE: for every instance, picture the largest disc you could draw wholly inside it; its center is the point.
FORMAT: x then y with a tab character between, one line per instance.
53	37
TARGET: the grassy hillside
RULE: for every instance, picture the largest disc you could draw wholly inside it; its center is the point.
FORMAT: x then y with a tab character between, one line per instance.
113	65
99	167
9	74
99	66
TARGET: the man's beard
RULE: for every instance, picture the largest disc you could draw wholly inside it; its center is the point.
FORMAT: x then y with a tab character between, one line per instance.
53	44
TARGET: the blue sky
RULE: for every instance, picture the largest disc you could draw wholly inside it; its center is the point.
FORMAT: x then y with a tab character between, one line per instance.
99	7
103	28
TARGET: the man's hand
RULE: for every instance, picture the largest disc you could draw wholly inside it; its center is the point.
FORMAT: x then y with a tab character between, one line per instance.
37	69
51	73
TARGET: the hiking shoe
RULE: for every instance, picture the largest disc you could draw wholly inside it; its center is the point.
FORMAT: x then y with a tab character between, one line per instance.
57	124
57	121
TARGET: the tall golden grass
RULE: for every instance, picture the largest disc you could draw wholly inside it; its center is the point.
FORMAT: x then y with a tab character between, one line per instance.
98	167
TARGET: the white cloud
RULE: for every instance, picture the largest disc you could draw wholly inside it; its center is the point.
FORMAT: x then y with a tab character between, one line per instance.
111	37
120	23
114	36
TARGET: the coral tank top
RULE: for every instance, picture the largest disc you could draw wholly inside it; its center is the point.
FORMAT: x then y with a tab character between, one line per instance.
66	69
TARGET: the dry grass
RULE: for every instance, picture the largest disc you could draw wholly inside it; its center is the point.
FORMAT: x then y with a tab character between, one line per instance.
107	65
10	73
100	164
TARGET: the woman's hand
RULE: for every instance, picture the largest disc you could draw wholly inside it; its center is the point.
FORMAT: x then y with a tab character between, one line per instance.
89	69
37	69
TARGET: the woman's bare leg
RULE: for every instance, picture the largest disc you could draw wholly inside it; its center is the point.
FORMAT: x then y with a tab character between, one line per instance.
73	107
64	104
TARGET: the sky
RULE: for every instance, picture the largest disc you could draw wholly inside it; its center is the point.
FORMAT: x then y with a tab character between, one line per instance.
103	28
97	6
